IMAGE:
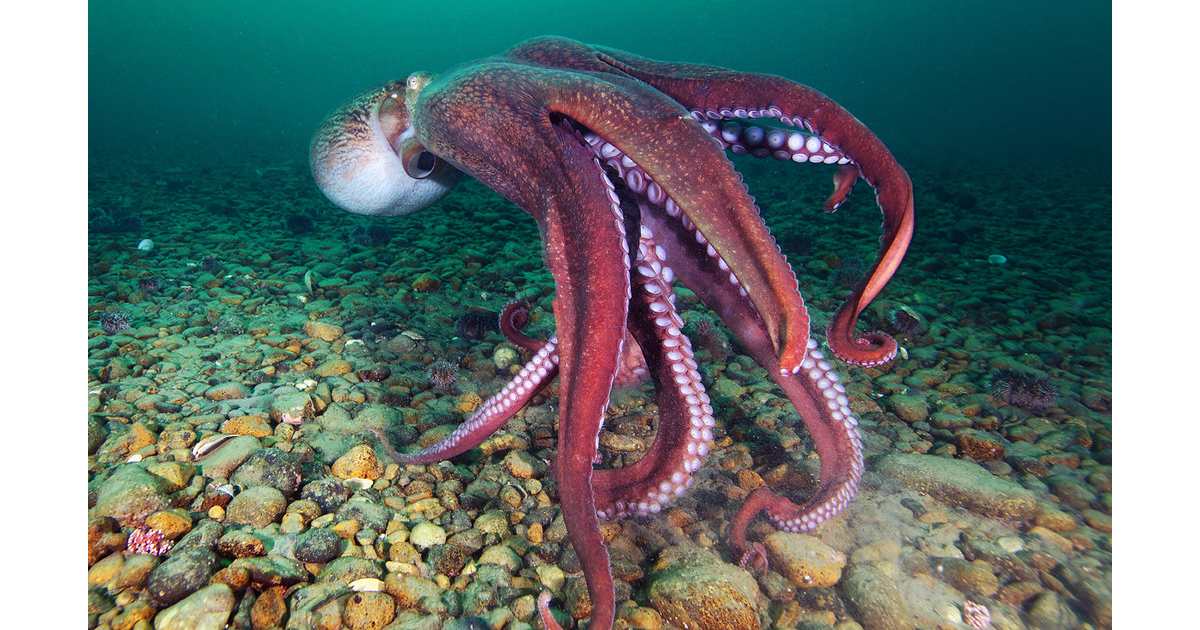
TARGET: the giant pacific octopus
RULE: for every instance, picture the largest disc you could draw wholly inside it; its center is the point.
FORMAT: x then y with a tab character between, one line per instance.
622	162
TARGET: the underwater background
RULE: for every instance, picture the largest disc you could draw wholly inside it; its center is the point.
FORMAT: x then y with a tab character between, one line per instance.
228	297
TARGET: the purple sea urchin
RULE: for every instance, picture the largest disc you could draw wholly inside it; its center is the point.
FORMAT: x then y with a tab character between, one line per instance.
1028	391
114	322
149	284
442	375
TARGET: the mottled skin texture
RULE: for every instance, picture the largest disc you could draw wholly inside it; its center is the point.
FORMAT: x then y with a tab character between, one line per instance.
575	135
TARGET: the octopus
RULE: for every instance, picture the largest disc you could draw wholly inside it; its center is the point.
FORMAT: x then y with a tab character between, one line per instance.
623	162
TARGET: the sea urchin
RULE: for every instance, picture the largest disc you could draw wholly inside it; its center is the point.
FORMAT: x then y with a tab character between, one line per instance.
1028	391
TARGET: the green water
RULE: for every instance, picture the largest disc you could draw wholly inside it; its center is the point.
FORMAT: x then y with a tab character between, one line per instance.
227	80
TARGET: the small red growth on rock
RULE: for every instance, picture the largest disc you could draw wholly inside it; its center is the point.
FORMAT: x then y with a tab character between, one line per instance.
148	541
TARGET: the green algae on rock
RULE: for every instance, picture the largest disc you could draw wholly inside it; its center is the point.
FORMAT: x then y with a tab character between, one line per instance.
960	483
694	588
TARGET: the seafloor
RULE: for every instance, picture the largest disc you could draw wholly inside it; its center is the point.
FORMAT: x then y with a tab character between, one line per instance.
265	314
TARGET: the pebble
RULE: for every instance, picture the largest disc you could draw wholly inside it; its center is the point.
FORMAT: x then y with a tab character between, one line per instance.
226	391
519	464
369	611
206	609
258	506
292	407
272	570
493	522
426	534
551	577
692	587
333	367
959	482
1098	520
240	544
324	331
183	573
106	569
410	590
292	523
979	445
501	555
367	512
175	474
222	461
974	578
130	495
504	356
172	523
270	467
236	579
804	559
358	462
329	494
1048	610
269	609
134	572
909	407
1011	544
256	426
1055	519
347	569
875	598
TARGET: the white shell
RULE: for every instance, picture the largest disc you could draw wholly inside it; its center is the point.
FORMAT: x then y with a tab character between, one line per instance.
367	585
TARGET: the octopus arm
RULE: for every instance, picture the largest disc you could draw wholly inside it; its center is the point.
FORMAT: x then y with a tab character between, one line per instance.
715	94
535	157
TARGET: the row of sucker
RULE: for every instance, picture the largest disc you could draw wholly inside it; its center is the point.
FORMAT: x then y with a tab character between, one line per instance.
783	144
821	374
495	410
637	180
653	277
619	217
760	141
776	142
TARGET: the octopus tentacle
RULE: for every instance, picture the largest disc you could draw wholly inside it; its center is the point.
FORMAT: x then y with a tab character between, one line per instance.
533	156
716	94
652	181
684	434
819	396
632	368
836	440
512	321
760	141
495	411
784	144
588	368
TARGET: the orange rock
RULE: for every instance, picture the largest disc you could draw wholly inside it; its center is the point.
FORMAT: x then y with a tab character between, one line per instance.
268	609
256	426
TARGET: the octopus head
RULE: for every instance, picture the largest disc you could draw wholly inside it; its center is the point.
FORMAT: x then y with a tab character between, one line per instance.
366	159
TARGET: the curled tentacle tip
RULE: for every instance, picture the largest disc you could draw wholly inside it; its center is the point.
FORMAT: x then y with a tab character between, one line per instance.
870	350
754	559
543	604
